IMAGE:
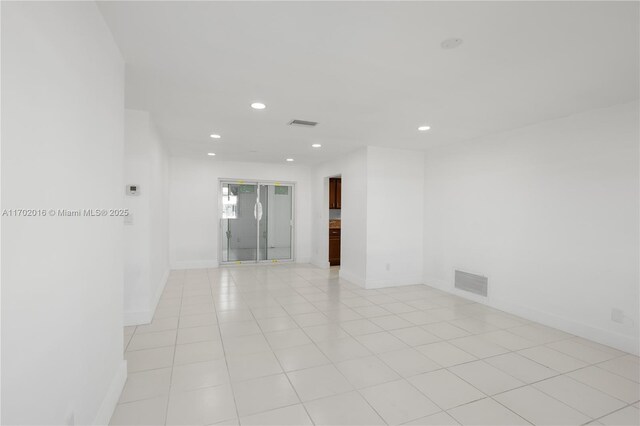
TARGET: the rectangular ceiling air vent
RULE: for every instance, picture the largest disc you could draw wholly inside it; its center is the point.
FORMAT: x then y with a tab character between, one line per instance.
303	123
472	283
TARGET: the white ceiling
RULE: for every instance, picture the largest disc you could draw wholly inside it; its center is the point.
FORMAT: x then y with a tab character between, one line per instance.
369	72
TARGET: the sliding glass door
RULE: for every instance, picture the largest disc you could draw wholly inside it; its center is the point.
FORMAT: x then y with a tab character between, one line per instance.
256	222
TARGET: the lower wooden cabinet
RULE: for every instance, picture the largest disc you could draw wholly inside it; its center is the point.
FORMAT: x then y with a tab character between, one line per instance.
334	247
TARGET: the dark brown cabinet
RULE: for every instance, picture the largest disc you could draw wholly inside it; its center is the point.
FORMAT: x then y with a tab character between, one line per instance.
335	196
335	193
334	247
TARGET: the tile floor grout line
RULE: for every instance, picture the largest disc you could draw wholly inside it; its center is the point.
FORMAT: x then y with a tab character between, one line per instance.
615	411
400	377
323	284
574	408
314	343
481	359
173	360
527	384
226	363
531	384
345	377
582	383
442	368
478	359
284	372
519	415
339	372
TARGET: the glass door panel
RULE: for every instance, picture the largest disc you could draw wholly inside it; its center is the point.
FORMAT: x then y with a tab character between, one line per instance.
239	212
263	220
276	224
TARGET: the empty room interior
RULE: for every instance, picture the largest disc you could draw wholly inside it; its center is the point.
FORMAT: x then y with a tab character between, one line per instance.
320	213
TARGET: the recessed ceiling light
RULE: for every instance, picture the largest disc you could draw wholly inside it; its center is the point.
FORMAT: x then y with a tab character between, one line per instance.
289	159
211	154
424	128
258	105
451	43
215	136
316	145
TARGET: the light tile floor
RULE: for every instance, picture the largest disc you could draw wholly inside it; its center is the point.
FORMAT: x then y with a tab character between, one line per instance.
294	345
271	253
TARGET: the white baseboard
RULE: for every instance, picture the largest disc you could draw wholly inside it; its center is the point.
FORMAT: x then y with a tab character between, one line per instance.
110	400
206	264
441	285
320	263
380	283
398	280
352	278
156	298
137	318
145	317
194	264
605	337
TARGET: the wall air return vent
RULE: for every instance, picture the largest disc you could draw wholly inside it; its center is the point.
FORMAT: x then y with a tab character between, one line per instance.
303	123
472	283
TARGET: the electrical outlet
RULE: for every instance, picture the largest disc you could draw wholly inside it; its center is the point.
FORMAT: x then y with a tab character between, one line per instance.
617	315
388	266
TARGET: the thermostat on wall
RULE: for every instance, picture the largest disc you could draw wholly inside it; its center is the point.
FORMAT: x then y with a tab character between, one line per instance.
133	189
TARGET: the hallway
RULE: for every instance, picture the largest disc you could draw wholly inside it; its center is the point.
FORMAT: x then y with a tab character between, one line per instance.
171	168
292	344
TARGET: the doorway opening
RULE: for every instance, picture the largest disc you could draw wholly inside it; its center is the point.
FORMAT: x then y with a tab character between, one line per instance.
335	219
256	221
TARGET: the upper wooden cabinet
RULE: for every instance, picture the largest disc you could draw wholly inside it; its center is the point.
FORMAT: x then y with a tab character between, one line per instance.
335	193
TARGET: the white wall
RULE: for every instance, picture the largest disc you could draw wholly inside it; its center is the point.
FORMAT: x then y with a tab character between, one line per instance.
550	214
353	238
381	216
62	148
146	236
395	180
193	216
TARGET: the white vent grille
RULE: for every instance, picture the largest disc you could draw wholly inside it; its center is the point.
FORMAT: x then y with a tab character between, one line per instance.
472	283
303	123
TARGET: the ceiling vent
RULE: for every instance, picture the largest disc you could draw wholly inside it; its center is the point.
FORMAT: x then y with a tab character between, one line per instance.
303	123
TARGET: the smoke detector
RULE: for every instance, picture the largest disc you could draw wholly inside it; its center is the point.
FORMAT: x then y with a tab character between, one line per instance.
303	123
451	43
